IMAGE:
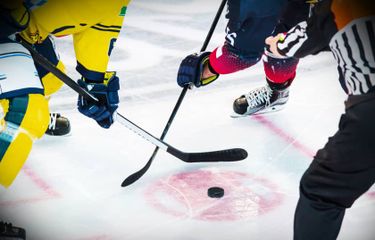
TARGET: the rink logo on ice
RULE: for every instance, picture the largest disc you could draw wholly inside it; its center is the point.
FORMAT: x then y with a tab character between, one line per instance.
184	195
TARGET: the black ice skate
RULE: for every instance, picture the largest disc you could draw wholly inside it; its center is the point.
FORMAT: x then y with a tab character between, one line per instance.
10	232
58	125
261	100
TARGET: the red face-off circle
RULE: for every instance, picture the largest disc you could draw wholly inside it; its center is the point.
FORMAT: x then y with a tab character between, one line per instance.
184	195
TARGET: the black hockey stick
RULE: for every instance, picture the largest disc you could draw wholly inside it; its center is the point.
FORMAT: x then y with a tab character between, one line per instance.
235	154
137	175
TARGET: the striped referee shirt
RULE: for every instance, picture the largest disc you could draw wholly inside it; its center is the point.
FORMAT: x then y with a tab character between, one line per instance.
354	50
345	27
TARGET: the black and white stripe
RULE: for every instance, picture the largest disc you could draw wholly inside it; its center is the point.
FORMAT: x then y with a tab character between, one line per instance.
294	40
354	50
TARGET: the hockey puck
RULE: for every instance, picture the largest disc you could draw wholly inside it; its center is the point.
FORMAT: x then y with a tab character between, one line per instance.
215	192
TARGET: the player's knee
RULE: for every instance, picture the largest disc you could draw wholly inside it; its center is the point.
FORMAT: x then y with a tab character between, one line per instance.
15	146
311	185
226	60
30	113
26	118
305	183
37	117
320	186
51	83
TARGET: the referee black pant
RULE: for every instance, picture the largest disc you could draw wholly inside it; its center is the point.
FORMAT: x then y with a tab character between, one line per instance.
339	174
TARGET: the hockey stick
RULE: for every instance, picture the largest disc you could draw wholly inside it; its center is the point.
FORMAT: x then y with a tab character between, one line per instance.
137	175
228	155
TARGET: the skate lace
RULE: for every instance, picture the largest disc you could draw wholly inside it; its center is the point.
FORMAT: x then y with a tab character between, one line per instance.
259	96
52	121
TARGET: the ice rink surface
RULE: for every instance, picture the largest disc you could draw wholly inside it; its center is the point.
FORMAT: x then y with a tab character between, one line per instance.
70	188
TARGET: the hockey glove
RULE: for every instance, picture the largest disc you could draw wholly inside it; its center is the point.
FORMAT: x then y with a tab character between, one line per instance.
191	70
106	92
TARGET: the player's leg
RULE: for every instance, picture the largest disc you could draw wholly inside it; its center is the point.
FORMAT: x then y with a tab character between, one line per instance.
25	113
58	124
280	72
340	173
249	23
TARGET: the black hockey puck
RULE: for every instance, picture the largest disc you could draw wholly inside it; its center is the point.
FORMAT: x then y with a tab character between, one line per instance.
215	192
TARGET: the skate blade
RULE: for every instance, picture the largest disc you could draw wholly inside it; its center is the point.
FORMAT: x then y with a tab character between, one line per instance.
269	110
55	136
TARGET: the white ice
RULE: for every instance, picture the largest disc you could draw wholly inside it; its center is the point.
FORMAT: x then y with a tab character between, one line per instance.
70	188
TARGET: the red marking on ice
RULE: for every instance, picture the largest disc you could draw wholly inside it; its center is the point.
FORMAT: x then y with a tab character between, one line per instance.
296	144
371	195
185	196
24	201
40	183
98	237
308	152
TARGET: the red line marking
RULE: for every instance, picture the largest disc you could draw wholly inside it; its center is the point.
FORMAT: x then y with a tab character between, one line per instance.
98	237
307	151
40	183
184	195
371	195
24	201
278	131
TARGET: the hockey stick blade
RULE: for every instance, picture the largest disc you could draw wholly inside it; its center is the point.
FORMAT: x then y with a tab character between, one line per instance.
137	175
227	155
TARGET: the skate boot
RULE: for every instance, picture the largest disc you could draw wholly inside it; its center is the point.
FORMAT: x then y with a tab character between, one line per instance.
58	125
10	232
261	100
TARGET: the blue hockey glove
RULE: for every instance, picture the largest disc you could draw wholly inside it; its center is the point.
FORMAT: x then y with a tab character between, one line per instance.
191	70
107	93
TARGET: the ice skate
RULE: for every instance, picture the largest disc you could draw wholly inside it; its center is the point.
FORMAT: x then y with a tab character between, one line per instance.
58	125
259	101
10	232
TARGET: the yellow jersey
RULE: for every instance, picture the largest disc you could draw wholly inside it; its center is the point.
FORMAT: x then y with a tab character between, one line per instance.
94	25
